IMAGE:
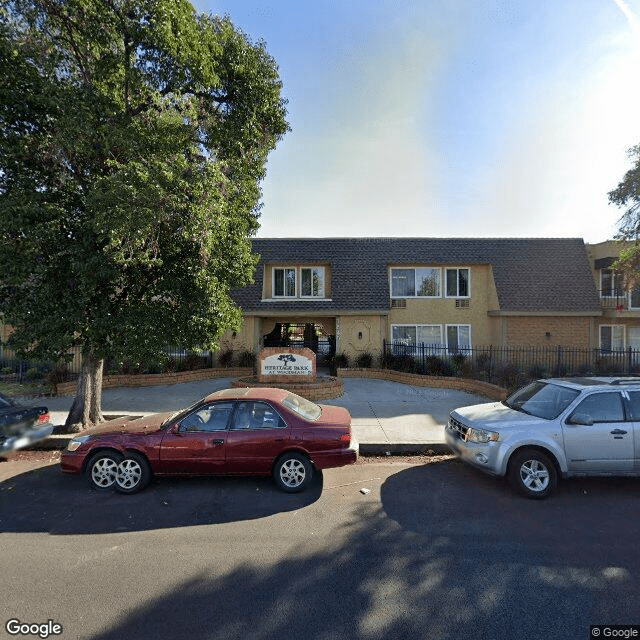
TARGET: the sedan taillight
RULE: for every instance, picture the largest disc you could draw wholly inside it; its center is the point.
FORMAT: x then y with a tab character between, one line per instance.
346	438
44	418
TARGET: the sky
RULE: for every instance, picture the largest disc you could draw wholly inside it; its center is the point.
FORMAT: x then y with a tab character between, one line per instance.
448	118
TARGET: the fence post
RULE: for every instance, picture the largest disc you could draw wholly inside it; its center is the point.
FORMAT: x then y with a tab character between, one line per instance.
629	360
558	361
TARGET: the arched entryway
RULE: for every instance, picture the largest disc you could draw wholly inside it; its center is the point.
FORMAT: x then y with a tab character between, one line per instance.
312	335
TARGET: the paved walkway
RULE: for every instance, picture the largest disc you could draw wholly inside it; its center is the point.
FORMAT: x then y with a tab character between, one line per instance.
387	416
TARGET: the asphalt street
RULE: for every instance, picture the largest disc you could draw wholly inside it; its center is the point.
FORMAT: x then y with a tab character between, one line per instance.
372	551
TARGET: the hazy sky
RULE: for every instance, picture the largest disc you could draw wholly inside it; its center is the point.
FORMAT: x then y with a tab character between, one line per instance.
448	118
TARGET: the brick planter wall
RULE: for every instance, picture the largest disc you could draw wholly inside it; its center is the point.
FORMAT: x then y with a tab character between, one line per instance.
491	391
152	379
323	389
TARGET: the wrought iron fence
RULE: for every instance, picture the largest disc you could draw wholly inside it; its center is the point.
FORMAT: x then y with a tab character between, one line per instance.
509	366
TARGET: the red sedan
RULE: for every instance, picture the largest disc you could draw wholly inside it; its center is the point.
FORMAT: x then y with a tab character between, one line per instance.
234	431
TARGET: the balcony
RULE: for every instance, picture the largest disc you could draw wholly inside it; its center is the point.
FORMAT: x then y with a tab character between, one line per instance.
620	300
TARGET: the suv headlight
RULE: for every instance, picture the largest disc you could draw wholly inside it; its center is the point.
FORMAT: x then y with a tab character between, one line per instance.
74	443
481	435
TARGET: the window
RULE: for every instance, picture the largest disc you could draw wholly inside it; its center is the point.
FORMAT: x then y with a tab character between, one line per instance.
458	283
284	282
256	415
312	282
213	417
611	337
611	283
412	335
420	282
601	407
458	338
303	282
634	298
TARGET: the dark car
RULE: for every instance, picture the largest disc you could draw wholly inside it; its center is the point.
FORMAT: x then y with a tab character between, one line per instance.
21	426
259	431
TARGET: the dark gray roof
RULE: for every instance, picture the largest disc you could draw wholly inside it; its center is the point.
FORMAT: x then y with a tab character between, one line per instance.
540	274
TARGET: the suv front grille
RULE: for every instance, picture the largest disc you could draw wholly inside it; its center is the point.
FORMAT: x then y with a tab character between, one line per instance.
458	428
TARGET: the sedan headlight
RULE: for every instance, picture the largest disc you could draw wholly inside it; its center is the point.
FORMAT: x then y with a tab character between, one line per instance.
74	443
481	435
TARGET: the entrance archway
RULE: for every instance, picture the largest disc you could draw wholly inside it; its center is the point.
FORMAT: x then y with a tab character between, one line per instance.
303	334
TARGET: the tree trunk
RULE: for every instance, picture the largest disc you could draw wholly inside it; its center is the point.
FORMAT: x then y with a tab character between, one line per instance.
86	409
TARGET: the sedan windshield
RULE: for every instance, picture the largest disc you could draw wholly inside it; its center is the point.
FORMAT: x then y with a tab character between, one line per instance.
542	399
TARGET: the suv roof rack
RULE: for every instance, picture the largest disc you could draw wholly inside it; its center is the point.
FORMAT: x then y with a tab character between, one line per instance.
626	381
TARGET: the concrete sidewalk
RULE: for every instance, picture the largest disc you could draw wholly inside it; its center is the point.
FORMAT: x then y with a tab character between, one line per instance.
388	417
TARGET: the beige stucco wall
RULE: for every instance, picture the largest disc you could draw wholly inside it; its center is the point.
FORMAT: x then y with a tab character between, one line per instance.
349	341
443	311
244	340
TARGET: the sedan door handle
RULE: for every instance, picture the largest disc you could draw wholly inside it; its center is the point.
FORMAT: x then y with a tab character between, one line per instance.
618	432
217	443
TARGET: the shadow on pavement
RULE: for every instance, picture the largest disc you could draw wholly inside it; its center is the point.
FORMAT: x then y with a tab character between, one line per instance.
446	556
46	500
586	520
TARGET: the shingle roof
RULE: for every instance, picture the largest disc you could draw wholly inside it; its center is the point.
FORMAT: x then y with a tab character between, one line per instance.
540	274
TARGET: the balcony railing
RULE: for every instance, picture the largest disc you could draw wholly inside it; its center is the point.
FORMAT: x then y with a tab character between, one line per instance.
620	300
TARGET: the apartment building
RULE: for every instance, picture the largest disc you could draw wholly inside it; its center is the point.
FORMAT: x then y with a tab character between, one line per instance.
353	294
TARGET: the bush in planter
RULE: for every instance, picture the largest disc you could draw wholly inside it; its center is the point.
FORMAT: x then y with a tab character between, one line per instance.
341	360
364	361
225	358
32	374
247	359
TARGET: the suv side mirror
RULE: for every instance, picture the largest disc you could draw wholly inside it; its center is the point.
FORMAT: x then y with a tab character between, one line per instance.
580	418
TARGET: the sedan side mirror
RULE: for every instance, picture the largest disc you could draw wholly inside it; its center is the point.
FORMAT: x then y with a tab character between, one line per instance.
580	418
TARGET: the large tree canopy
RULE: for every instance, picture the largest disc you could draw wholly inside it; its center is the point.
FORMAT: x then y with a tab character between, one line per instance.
627	194
133	138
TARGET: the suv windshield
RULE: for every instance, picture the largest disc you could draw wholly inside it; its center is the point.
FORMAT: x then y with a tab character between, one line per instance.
542	399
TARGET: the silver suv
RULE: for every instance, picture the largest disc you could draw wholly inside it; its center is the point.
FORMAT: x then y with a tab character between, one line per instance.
550	428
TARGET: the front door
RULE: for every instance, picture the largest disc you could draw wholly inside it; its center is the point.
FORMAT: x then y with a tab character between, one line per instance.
198	443
604	447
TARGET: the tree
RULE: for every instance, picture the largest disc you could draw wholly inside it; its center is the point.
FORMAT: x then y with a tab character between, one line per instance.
133	139
627	194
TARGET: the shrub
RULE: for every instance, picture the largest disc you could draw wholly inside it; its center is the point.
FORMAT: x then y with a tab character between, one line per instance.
537	371
247	359
364	360
509	376
341	360
32	374
225	358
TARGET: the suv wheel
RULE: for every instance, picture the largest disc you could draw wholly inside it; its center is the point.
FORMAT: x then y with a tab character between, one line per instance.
533	473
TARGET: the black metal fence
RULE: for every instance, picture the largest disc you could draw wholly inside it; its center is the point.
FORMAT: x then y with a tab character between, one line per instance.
14	369
509	366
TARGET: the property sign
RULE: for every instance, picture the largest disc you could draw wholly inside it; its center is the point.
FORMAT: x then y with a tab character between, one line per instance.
283	363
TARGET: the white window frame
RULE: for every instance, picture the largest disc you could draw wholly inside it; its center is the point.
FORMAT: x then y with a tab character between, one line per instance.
459	349
616	280
415	270
636	288
416	327
321	290
612	348
273	283
457	270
